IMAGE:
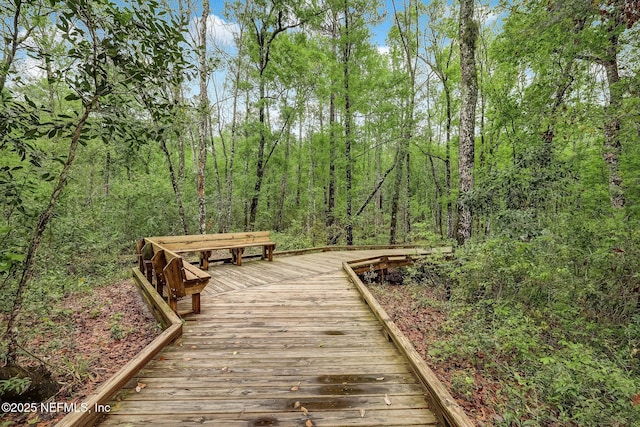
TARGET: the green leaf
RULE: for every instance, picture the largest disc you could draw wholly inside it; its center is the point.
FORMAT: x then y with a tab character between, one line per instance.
15	257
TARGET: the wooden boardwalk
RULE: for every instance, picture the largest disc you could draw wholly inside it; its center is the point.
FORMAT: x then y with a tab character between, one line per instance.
282	343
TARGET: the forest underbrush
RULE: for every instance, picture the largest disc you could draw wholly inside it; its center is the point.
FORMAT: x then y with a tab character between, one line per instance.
78	340
543	332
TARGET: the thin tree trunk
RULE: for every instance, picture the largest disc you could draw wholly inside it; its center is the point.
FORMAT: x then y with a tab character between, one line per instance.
407	209
216	169
18	36
176	187
376	188
612	144
299	170
204	120
438	194
331	197
284	182
107	169
347	124
38	232
395	199
253	210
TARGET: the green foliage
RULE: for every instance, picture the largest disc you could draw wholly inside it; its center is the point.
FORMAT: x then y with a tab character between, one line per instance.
15	384
117	331
555	318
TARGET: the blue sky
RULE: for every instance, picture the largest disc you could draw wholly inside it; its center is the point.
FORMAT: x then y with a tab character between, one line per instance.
379	32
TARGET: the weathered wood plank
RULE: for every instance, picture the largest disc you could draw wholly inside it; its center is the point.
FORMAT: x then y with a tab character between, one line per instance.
154	392
271	334
343	418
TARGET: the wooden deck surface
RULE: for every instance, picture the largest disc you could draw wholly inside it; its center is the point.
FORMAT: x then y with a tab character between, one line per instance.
273	338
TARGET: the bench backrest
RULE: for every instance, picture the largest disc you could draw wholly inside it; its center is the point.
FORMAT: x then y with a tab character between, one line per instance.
175	277
159	262
196	242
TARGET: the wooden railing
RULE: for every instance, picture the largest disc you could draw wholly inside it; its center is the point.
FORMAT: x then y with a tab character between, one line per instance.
443	404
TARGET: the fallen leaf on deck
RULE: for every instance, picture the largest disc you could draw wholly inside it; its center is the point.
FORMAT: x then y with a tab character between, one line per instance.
380	379
140	386
387	400
294	388
362	412
297	404
484	415
309	423
304	410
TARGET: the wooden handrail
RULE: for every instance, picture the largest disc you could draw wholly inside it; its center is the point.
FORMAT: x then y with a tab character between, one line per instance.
447	409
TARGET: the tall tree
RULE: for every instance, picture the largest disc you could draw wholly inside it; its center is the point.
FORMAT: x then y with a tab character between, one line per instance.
469	94
203	117
406	22
439	56
347	47
266	19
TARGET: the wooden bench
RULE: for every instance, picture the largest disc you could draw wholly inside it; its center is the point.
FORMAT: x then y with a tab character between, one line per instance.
205	244
179	276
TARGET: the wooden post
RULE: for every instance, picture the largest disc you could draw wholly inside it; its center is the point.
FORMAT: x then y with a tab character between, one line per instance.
148	270
384	261
173	301
195	303
159	289
204	260
159	262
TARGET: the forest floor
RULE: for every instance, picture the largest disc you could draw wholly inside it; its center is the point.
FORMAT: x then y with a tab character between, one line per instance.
414	311
83	340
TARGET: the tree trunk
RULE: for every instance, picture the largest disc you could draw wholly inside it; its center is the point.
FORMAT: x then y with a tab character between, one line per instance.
107	169
255	198
469	94
176	187
395	199
612	144
203	128
346	54
331	196
283	181
38	232
408	124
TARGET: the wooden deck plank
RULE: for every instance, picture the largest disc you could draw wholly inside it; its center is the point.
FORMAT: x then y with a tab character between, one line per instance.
387	418
272	334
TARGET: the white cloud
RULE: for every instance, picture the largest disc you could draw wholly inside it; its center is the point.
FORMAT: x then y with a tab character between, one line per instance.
222	33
